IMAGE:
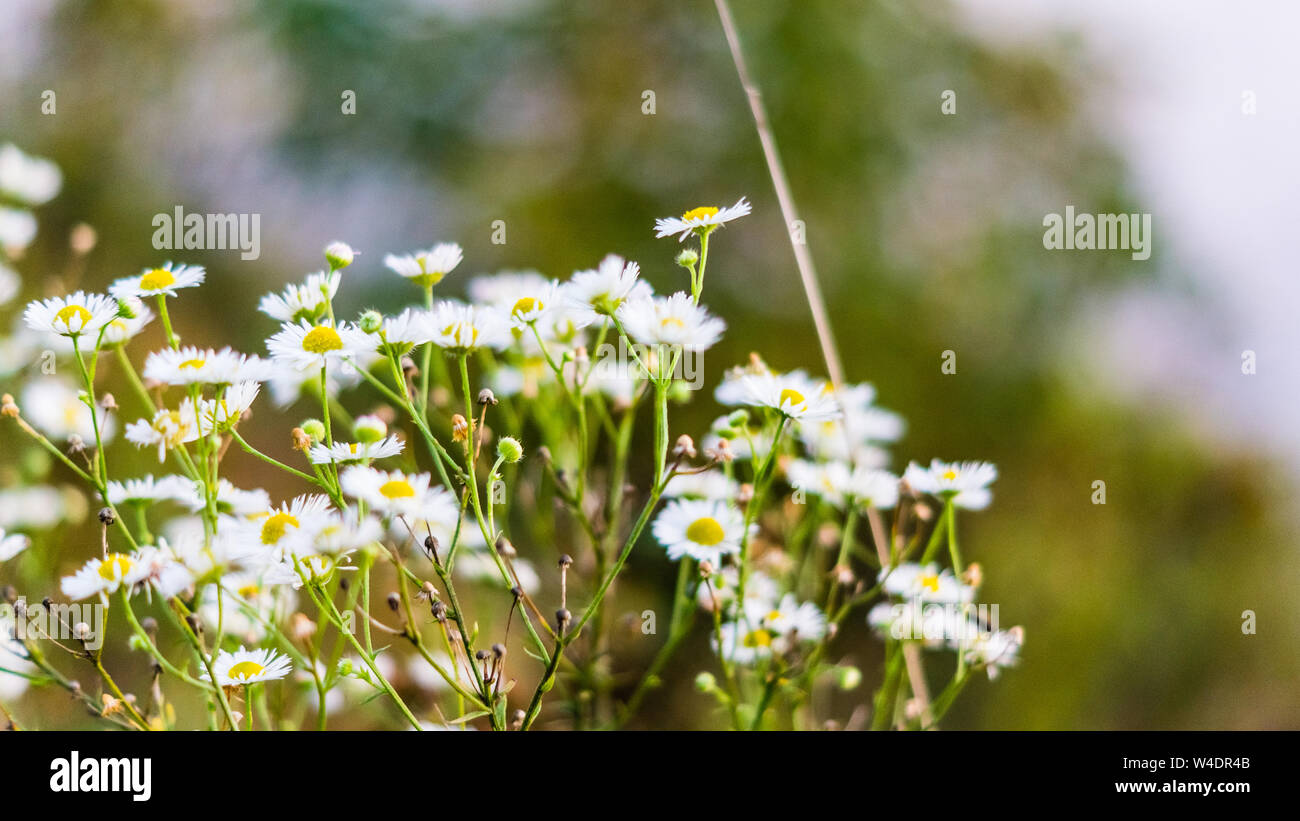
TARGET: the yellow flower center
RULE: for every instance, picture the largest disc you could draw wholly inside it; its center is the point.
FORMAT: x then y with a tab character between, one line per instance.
671	321
705	531
68	312
458	331
774	615
758	638
353	448
396	489
322	339
245	670
115	567
156	280
792	397
192	363
703	212
248	591
949	475
273	529
930	582
525	306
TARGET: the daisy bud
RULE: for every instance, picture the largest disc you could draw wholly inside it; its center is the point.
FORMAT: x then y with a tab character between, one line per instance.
566	560
459	428
82	239
106	516
509	449
339	255
706	682
688	258
481	655
108	402
369	429
81	631
487	397
738	419
314	428
562	617
301	627
130	308
505	548
301	441
394	602
8	407
685	447
371	322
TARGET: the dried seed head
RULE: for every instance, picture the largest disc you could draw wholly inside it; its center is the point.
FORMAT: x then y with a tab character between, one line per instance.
566	560
706	569
81	631
722	452
459	428
487	397
481	655
505	548
439	611
106	516
499	650
7	406
431	545
428	590
562	617
76	444
107	402
394	602
301	441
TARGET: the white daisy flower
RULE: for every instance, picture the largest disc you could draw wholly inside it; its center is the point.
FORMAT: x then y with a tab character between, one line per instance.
503	289
306	301
427	268
101	576
56	408
673	320
162	281
703	530
926	583
437	516
759	587
160	570
304	346
148	491
81	313
392	494
231	500
710	484
226	411
744	643
27	179
794	394
997	650
931	625
316	568
342	533
806	621
343	452
403	332
700	220
463	328
285	529
123	328
167	430
595	293
965	483
855	436
731	389
11	544
837	483
244	667
195	366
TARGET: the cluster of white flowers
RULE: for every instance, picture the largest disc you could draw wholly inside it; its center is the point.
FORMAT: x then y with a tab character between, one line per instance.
420	490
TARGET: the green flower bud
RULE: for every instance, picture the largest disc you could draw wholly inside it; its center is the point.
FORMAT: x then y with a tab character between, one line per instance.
738	418
314	428
509	449
369	429
706	683
371	322
688	258
848	678
339	255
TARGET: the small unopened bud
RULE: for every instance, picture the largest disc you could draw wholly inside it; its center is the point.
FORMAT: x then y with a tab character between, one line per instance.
459	428
738	419
706	682
848	678
499	650
509	449
7	406
369	428
487	397
706	569
685	447
314	428
688	258
562	617
301	627
439	610
108	402
81	631
106	516
339	255
370	322
394	602
566	560
301	441
481	655
973	576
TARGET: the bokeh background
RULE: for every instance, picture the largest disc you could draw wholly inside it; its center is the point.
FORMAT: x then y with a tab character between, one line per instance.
1072	366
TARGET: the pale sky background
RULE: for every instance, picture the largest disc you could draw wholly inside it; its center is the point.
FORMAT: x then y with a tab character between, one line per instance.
1221	185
